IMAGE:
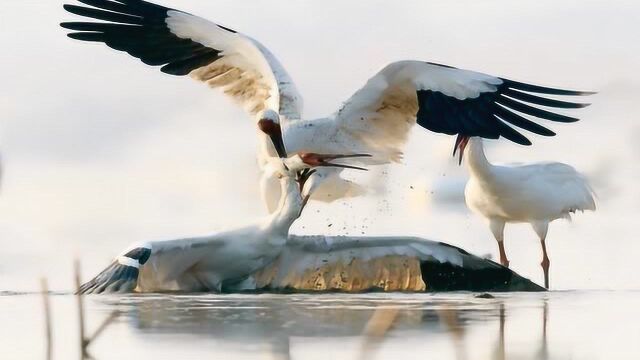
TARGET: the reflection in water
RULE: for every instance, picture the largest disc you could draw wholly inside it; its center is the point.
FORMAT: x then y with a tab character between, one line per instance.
329	326
277	319
449	318
376	330
499	354
544	351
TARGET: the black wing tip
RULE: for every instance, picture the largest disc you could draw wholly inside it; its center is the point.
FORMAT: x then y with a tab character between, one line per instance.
568	119
131	26
74	9
543	89
82	25
539	100
527	142
173	71
69	25
86	36
587	93
75	36
523	107
582	105
522	140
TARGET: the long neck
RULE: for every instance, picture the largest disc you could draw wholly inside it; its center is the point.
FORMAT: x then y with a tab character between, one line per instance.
265	146
476	159
289	207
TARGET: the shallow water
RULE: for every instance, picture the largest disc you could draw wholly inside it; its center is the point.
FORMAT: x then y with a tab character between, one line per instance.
578	325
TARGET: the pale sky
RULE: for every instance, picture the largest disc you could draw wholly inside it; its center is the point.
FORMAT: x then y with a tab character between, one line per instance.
101	150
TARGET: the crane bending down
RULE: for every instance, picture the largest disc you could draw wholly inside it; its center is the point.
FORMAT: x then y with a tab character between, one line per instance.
535	193
204	264
375	120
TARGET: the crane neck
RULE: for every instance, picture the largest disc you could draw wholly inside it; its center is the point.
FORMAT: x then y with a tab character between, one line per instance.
265	146
289	207
476	158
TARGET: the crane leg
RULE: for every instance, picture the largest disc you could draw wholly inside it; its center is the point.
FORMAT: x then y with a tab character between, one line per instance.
497	228
545	263
503	254
541	228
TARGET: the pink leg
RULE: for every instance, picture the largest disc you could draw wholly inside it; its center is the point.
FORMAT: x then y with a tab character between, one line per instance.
541	228
503	254
545	263
497	228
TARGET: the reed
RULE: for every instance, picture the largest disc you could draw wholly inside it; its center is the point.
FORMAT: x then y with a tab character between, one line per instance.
44	288
84	341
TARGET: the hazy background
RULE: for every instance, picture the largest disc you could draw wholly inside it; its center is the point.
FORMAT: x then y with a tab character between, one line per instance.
100	150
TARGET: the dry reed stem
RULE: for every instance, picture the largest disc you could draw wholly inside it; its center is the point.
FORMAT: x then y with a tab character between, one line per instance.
83	341
47	316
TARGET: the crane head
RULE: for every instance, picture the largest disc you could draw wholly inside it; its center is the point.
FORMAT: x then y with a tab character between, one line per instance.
269	123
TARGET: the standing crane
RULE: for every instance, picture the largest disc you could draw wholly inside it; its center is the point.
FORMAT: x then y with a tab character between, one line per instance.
536	193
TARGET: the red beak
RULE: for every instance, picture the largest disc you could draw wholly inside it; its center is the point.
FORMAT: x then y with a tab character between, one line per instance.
317	160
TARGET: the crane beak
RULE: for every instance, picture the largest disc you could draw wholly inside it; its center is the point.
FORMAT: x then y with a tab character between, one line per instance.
325	160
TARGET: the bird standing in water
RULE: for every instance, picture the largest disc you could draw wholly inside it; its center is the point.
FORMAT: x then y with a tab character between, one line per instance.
536	193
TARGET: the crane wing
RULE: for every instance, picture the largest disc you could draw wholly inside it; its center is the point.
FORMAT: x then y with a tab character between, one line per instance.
447	100
121	276
355	264
158	265
184	44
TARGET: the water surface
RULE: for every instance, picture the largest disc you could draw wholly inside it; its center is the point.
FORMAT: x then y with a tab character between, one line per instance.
555	325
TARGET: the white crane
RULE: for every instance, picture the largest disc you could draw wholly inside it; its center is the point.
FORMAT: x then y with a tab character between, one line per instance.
535	193
205	263
375	120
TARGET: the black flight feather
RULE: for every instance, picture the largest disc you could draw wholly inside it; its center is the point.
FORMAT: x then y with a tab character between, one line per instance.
139	28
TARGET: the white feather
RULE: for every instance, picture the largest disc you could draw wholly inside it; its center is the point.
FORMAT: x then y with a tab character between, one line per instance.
248	72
